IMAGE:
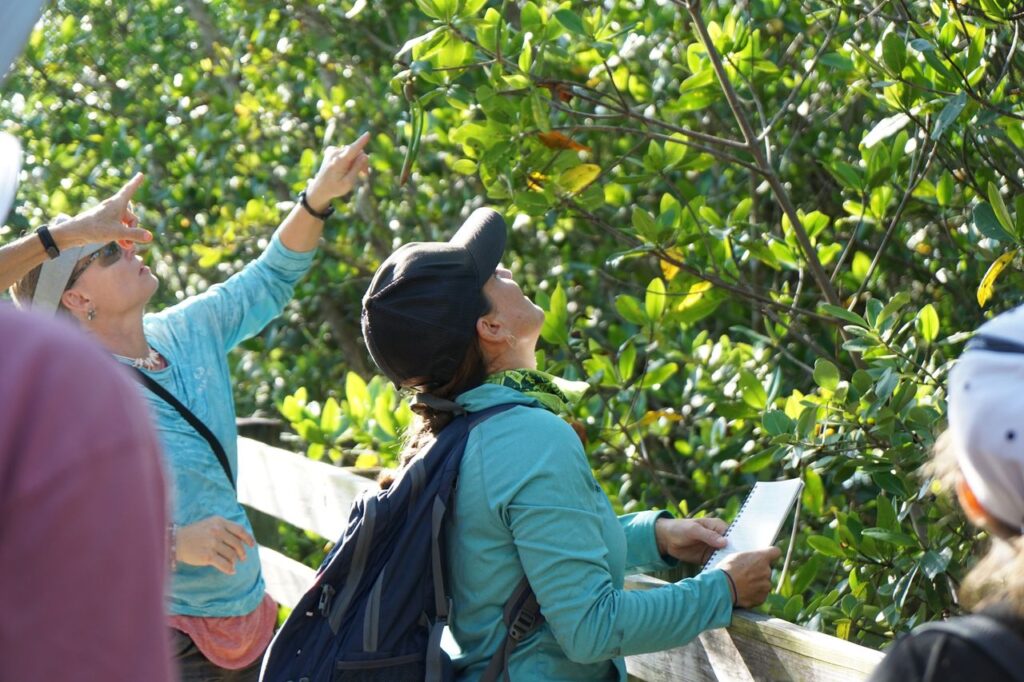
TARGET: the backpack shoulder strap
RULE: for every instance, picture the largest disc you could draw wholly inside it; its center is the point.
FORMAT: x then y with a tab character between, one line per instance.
193	421
522	617
1000	643
442	598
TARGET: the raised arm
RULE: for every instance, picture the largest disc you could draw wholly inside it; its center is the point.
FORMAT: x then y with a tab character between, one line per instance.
110	220
338	174
243	305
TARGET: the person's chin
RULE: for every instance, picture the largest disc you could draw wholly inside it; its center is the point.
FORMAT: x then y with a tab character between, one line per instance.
153	283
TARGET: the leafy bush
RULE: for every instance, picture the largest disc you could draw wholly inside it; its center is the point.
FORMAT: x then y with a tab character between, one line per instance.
759	230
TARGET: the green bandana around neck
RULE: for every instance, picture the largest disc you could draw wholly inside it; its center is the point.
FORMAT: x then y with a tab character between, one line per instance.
554	393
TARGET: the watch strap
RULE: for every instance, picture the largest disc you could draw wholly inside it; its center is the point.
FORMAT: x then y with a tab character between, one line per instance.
322	215
46	238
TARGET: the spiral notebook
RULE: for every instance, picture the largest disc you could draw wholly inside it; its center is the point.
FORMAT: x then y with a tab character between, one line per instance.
759	520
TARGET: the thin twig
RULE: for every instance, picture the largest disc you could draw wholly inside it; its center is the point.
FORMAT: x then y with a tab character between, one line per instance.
781	195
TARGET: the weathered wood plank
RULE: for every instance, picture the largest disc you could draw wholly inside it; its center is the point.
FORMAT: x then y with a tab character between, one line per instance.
754	647
307	494
287	580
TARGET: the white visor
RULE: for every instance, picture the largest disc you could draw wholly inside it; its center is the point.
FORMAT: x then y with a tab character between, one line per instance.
10	166
54	276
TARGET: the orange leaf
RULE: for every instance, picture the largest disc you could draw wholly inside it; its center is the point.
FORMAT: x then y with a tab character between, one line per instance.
557	90
556	140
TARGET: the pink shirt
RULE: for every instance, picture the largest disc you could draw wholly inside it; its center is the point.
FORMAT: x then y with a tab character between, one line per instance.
233	642
83	555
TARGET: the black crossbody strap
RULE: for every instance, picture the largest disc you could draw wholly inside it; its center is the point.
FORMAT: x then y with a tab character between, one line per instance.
193	421
1001	644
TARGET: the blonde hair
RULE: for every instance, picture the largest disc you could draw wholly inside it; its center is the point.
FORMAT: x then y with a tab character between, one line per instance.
25	288
998	577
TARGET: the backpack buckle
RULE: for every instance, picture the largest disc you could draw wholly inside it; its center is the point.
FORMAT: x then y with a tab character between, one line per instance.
323	606
522	625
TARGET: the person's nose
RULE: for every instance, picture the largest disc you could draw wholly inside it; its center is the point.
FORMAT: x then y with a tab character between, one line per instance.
502	271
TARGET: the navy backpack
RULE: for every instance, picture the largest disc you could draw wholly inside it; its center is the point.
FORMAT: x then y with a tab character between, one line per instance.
379	604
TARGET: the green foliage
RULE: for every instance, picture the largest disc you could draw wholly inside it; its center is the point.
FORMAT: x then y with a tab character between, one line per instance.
363	430
774	293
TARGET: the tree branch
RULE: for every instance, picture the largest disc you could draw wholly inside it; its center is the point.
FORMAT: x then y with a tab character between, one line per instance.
781	195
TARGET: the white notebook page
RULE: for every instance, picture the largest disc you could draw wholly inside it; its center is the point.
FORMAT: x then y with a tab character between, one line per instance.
760	518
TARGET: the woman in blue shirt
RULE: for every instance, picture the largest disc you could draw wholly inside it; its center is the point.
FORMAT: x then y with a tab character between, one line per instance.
220	617
446	320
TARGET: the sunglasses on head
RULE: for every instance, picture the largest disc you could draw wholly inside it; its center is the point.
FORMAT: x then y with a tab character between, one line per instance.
107	255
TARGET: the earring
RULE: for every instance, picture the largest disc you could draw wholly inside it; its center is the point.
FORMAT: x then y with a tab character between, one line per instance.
511	341
91	314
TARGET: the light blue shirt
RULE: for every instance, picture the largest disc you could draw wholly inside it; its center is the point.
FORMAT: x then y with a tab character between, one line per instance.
528	503
195	337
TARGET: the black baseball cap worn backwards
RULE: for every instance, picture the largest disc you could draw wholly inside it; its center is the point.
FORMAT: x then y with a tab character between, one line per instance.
419	314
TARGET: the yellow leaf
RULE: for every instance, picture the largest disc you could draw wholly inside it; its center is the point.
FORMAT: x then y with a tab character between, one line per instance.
989	280
669	270
693	295
367	460
655	415
535	181
575	179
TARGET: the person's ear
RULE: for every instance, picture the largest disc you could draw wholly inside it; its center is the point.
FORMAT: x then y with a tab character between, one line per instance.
976	514
77	303
490	329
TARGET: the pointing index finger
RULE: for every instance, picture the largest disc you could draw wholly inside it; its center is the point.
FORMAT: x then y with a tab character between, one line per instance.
351	151
129	188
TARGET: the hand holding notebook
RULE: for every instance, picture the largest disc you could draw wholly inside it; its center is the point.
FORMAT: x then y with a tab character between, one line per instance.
759	520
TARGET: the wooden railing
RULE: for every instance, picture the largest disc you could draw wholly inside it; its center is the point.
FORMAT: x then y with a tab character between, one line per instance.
754	648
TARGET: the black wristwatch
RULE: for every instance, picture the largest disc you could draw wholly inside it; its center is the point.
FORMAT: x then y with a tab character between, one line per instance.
49	245
309	209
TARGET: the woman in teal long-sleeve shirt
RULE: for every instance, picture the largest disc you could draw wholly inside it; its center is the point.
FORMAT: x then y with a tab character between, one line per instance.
446	320
219	616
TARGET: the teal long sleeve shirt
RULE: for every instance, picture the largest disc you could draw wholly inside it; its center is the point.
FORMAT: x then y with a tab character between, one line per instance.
195	337
528	504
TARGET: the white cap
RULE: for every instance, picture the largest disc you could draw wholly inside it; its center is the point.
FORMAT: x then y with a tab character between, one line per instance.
54	275
986	416
16	21
10	166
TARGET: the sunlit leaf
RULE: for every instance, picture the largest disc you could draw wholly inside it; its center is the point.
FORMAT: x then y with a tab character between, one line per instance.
928	323
654	299
576	179
885	128
826	546
813	496
986	288
556	319
999	207
753	392
826	374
